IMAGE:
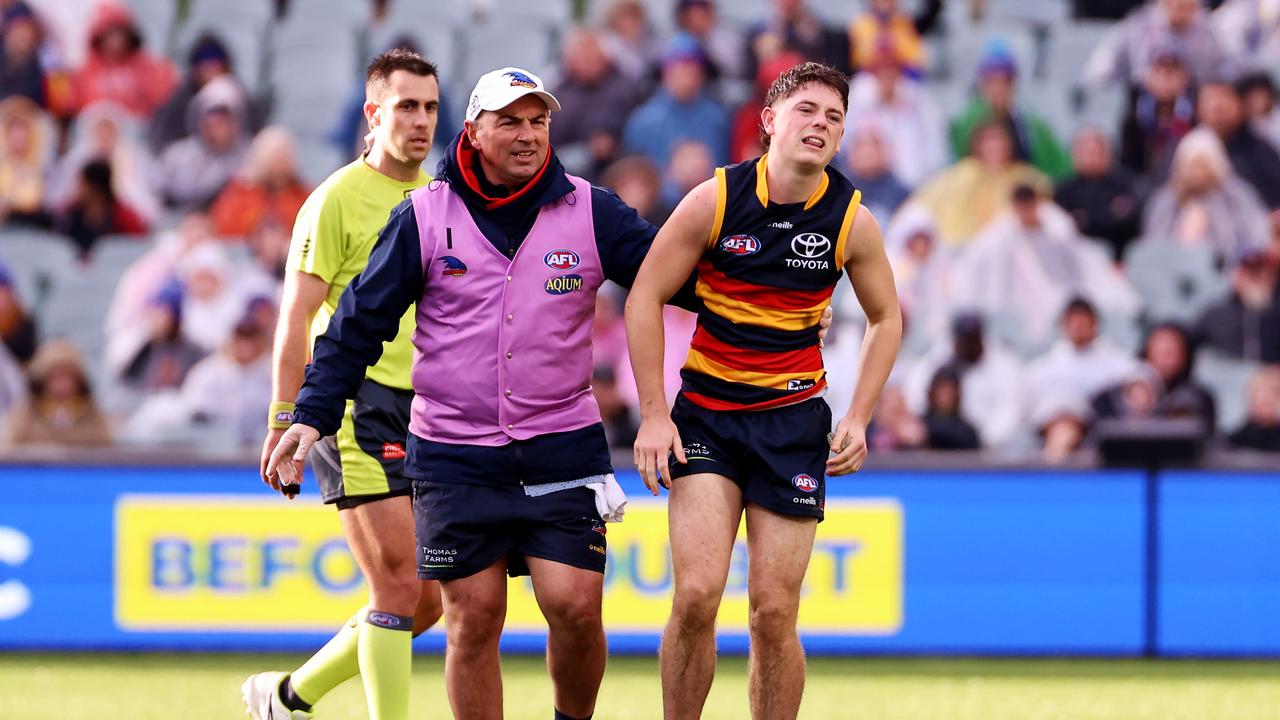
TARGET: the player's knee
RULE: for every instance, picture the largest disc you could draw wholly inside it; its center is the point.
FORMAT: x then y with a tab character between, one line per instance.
696	605
476	623
429	608
577	615
395	586
772	620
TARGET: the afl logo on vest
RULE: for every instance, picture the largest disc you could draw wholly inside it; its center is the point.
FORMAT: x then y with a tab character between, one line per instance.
804	483
740	245
810	247
564	284
562	260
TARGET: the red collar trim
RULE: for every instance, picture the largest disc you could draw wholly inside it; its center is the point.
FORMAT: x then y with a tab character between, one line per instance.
465	158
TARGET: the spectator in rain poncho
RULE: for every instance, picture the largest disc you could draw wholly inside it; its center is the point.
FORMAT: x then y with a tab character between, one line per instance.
193	170
990	377
143	281
1127	53
1250	31
266	191
105	131
1034	142
866	154
119	68
213	297
1261	429
922	269
208	60
1024	266
963	198
914	128
26	147
1079	365
1204	202
61	409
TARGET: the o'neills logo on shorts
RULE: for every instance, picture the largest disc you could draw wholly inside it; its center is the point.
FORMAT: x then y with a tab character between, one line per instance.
392	451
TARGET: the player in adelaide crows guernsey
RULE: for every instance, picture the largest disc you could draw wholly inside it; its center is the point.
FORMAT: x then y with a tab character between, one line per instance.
770	239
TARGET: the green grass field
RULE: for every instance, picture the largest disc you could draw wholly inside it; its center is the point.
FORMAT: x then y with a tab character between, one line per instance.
206	687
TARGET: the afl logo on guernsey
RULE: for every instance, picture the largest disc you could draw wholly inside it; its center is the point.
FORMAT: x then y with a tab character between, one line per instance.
740	244
809	247
564	284
804	483
562	260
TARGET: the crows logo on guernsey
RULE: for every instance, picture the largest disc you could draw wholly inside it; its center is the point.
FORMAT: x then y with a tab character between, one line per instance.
453	267
740	244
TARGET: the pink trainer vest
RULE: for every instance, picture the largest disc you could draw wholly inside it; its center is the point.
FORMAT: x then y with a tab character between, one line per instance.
503	345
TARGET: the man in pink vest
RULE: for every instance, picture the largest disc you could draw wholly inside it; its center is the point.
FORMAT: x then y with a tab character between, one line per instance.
503	254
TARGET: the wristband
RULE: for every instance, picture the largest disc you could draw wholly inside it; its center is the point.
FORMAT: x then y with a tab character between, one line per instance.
280	415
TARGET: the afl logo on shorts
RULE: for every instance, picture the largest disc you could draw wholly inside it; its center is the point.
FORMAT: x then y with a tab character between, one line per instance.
804	483
564	284
562	259
453	267
740	244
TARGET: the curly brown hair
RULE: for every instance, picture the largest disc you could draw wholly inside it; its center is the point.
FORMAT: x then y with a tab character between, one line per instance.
790	82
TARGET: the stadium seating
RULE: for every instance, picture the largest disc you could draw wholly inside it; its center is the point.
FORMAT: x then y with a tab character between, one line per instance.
242	25
37	259
1176	283
1227	379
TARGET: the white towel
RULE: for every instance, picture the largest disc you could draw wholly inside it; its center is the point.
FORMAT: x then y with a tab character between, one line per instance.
611	502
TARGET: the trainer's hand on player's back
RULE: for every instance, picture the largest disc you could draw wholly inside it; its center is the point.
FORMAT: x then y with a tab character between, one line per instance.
657	439
849	443
284	467
824	324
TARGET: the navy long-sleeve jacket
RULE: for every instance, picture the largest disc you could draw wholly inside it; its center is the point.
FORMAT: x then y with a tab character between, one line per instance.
370	309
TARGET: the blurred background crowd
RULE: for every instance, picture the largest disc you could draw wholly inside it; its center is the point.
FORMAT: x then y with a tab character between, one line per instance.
1081	199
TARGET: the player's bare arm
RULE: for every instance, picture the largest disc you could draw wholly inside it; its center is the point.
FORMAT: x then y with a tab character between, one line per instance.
300	301
872	280
674	254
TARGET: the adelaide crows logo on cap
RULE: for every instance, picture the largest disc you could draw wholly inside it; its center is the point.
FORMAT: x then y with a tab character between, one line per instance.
519	79
453	267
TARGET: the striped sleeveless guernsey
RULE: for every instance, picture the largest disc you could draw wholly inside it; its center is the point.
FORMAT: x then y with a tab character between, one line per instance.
768	273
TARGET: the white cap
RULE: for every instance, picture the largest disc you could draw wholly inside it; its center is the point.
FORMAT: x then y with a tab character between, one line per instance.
498	89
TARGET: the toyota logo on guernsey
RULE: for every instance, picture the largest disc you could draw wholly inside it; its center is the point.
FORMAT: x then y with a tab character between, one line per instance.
810	247
740	244
562	259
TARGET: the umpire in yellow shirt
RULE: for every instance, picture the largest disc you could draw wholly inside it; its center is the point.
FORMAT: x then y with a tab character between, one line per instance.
360	470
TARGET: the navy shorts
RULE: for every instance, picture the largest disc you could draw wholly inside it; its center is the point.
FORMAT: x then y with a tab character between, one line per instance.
474	505
778	457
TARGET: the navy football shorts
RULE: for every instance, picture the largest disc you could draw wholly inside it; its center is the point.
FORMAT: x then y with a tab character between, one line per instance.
478	504
777	457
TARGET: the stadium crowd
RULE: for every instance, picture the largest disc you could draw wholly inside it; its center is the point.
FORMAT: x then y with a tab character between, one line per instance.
1056	271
